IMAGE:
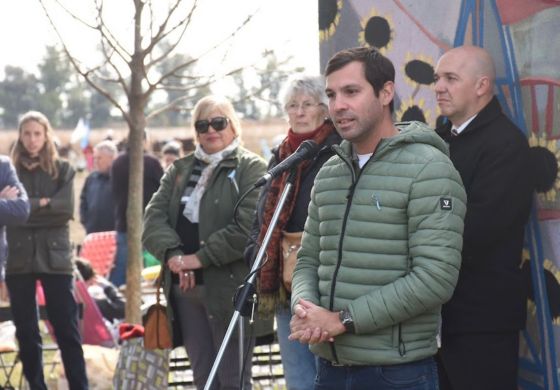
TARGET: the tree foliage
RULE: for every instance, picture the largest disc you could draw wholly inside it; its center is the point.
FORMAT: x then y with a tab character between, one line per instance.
54	75
18	92
57	91
260	98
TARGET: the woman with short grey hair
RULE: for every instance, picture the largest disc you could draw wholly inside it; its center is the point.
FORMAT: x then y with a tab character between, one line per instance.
305	104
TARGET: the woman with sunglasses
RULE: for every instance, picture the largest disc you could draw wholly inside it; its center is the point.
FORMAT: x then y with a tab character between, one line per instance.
40	250
189	226
305	103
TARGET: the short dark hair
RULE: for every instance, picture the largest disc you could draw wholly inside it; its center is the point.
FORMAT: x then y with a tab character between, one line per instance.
172	147
378	68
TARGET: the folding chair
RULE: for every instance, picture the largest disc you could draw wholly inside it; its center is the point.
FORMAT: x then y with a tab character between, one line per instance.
94	329
8	352
9	358
99	249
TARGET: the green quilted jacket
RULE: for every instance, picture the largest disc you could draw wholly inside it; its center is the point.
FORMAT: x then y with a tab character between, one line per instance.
385	242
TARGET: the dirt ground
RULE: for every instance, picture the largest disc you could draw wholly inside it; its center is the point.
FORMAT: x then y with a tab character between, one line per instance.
255	135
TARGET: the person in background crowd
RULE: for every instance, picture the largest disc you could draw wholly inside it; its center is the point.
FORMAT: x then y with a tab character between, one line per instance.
14	210
40	250
481	322
171	151
305	103
381	248
110	301
189	226
109	135
96	199
119	182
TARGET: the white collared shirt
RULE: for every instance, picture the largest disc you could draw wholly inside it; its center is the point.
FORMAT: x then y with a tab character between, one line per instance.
460	129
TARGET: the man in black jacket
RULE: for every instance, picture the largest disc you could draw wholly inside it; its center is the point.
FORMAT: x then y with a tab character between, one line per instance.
119	181
481	322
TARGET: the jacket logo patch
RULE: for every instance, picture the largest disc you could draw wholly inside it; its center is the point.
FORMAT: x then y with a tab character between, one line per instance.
445	203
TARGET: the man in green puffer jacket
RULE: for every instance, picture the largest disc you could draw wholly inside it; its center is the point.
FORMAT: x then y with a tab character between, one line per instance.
382	244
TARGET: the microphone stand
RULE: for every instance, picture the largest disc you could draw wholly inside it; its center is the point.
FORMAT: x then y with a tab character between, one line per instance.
246	298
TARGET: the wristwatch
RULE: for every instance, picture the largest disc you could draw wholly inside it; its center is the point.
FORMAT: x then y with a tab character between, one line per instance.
347	320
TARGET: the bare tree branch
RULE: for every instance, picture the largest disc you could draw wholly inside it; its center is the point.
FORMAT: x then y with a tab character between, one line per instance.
106	37
162	33
176	69
73	15
76	65
185	24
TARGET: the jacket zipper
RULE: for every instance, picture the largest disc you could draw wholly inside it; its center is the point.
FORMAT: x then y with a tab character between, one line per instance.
349	197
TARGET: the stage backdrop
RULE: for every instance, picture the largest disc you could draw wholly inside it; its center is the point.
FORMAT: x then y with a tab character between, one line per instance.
523	37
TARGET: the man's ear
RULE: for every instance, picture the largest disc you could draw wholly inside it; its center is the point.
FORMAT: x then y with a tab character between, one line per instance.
387	93
483	86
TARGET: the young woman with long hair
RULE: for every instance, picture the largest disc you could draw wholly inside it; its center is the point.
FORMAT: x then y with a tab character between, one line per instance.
40	250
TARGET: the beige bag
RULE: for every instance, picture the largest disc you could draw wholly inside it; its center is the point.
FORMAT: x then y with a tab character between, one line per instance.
291	241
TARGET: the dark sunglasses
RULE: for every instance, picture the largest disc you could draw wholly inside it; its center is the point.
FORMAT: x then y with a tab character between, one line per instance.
218	123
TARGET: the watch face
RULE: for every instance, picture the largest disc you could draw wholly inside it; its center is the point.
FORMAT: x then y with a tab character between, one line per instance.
347	321
345	317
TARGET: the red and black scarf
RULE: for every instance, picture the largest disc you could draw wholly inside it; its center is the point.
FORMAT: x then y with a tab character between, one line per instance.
270	283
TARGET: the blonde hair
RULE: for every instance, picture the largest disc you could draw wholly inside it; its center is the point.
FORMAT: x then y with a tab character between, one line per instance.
48	154
207	104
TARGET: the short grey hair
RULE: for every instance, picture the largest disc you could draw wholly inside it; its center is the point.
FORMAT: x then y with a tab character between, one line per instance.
313	86
107	146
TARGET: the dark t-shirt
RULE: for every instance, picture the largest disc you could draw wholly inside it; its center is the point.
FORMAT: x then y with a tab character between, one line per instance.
188	232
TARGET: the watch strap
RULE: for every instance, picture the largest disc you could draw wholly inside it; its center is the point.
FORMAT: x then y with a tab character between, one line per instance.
346	318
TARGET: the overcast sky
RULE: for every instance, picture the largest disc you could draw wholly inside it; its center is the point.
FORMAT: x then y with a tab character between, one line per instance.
288	27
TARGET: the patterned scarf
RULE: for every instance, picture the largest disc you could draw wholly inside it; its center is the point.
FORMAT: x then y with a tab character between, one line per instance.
196	172
270	284
29	163
212	160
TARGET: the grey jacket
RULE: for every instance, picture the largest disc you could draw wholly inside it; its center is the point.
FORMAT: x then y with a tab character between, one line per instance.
385	242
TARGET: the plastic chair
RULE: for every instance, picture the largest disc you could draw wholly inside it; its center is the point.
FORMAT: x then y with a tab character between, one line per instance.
99	249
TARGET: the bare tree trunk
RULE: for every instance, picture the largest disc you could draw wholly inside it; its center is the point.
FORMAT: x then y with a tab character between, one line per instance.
136	179
134	225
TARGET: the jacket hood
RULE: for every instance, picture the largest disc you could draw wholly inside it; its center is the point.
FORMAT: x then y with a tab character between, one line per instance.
418	132
409	133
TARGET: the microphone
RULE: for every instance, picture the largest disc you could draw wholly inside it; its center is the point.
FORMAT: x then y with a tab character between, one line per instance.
305	151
